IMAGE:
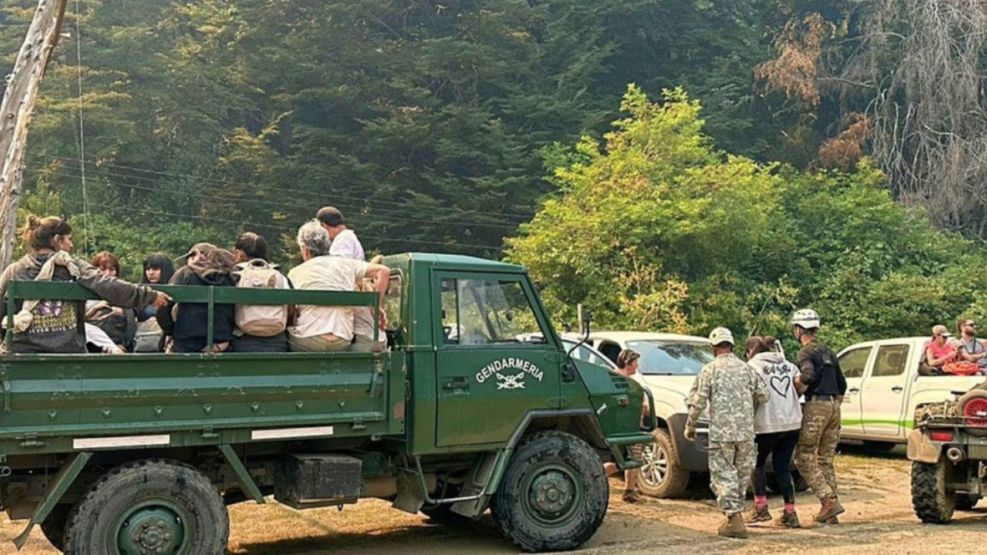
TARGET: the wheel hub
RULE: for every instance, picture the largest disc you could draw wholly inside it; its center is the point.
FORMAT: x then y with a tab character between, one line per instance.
552	494
151	531
655	465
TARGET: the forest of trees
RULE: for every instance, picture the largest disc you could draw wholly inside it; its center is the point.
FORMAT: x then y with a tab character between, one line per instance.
447	126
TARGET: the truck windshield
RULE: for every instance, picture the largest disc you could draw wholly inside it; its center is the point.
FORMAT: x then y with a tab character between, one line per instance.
666	358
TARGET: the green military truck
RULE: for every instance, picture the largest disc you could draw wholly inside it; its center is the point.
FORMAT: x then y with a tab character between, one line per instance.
948	450
141	453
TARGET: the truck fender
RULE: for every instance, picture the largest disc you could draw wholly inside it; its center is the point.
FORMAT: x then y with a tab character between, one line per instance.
922	449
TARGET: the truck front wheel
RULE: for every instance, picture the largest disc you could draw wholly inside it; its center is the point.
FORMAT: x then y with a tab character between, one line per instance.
149	506
932	499
554	493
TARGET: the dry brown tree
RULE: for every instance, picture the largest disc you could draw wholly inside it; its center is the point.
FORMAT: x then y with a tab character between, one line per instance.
918	69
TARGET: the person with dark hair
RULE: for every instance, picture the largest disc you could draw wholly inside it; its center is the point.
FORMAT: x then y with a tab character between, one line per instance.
821	380
206	264
56	326
627	364
250	246
968	347
119	324
776	427
259	328
158	268
344	241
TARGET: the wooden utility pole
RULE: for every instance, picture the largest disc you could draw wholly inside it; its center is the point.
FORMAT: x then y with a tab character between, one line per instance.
15	113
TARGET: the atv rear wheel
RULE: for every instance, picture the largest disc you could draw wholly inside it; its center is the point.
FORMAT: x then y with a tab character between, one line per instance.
932	500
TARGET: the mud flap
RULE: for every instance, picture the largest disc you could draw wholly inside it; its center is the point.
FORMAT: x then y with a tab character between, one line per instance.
475	484
921	449
410	498
63	481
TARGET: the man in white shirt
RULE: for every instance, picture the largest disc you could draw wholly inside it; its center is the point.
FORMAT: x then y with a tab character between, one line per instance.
344	241
346	244
327	328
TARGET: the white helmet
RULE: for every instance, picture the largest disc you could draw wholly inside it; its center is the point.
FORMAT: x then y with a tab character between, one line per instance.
806	318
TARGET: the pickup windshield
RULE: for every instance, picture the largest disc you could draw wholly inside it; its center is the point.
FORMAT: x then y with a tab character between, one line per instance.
668	358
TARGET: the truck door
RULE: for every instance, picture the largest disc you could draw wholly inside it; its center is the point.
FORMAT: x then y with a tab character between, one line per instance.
487	378
883	392
853	362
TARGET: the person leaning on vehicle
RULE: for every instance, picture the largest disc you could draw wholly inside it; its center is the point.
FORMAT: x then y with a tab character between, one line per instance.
732	390
822	382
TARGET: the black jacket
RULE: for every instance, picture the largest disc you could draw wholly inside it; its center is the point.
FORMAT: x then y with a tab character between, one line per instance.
820	370
190	326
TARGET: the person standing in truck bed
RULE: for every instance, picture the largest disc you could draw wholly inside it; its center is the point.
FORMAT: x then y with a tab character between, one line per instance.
55	326
822	382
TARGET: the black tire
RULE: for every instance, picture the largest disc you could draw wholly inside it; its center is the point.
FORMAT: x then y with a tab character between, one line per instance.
879	446
569	476
932	501
54	526
152	504
661	476
966	501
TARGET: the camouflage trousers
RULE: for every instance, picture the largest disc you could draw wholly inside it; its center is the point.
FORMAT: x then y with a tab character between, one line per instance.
817	446
730	467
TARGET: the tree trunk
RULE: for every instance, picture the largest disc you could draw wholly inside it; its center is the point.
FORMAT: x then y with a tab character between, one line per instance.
15	113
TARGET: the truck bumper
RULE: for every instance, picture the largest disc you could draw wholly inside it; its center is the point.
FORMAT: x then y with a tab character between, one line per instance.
692	454
617	445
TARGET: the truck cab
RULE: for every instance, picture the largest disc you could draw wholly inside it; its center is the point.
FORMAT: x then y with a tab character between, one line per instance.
884	389
458	415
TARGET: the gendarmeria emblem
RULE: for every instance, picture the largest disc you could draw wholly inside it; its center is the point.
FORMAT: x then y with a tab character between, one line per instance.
510	380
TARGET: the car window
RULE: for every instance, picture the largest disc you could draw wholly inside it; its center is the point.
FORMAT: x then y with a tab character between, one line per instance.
671	358
853	362
479	312
890	360
610	350
586	354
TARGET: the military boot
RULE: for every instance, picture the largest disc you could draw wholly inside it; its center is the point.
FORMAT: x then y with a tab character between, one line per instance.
790	520
760	514
830	508
733	527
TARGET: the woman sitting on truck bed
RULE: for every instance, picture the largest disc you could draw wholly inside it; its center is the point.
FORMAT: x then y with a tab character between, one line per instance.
54	326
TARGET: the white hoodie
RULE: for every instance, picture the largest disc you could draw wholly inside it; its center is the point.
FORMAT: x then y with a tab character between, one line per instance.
782	412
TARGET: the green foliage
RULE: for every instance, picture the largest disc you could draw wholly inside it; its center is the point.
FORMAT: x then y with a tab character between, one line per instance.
657	230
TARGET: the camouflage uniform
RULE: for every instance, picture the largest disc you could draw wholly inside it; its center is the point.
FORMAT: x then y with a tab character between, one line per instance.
731	389
821	373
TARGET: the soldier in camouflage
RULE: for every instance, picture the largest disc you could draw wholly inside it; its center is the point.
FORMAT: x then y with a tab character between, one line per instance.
822	382
732	390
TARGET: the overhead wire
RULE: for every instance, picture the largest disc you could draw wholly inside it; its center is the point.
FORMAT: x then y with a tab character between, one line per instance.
82	132
231	196
314	194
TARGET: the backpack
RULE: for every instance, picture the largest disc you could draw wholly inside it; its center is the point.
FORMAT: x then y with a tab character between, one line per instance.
260	320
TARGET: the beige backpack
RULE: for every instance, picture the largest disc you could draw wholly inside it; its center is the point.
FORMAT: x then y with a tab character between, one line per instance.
260	320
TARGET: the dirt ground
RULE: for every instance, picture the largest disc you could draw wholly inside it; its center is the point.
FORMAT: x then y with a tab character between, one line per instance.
875	491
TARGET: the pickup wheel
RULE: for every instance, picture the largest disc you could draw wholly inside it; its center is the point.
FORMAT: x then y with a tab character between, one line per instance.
932	500
54	526
554	493
149	506
661	475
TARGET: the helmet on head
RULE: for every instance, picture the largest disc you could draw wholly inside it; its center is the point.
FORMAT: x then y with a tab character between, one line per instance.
719	336
805	318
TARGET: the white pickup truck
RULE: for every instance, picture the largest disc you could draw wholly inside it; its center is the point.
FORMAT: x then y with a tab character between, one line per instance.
884	388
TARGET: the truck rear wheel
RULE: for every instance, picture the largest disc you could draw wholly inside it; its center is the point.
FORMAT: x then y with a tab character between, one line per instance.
554	493
932	500
149	506
661	475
